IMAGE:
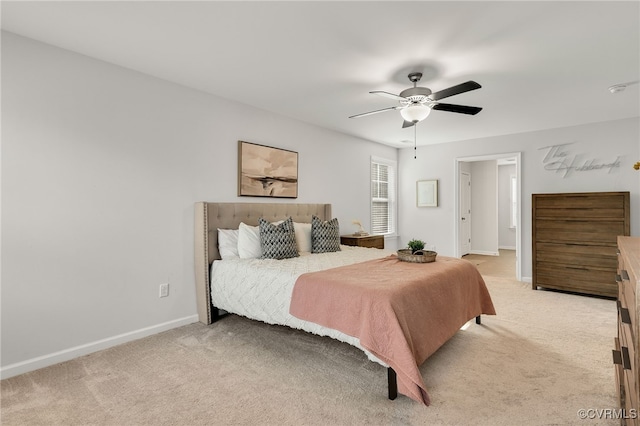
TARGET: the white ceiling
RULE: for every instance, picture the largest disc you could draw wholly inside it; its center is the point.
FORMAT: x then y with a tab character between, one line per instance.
541	64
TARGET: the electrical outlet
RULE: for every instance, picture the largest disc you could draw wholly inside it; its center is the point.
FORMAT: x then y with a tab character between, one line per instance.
164	290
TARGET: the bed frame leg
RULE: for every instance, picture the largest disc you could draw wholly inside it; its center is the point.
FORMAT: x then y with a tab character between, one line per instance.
392	380
217	314
478	320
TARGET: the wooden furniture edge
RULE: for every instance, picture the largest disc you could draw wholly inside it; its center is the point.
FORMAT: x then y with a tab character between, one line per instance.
201	253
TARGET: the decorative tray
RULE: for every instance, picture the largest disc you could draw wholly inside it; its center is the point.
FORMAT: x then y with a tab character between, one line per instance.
420	256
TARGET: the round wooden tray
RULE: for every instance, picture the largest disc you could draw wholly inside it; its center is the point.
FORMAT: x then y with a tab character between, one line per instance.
420	256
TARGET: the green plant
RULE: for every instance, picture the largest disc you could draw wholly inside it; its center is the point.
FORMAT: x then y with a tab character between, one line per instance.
415	245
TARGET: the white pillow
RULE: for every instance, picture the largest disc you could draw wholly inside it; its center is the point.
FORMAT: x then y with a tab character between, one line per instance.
303	236
228	243
249	242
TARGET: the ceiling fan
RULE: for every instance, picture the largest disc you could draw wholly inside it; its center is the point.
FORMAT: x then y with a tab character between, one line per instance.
417	102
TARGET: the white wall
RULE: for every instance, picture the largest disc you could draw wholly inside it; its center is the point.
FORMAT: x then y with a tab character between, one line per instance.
484	207
603	142
506	234
100	169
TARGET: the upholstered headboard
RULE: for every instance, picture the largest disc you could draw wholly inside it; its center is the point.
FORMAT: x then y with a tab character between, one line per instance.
211	216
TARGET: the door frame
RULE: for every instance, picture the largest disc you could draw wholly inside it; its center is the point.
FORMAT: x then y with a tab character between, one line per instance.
456	231
462	252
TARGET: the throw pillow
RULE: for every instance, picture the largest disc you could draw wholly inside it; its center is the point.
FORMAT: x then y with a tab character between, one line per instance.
325	236
303	236
228	243
277	241
249	242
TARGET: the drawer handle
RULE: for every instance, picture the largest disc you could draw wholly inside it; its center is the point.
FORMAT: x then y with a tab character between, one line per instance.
617	357
576	267
622	358
626	360
624	315
625	275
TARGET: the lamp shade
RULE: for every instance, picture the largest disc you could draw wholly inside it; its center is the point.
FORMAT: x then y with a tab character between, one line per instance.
415	112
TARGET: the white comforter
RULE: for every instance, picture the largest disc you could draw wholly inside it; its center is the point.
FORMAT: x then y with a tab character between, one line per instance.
261	289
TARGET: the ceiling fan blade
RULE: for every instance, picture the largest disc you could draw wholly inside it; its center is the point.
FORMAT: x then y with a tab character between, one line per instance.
388	95
374	112
407	124
455	90
462	109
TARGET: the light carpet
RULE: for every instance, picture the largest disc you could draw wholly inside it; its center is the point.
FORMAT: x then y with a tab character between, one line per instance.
545	356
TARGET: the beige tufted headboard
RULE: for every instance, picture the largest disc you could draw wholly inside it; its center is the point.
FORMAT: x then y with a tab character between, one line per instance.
211	216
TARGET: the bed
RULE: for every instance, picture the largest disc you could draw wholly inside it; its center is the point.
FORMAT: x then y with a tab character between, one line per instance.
397	324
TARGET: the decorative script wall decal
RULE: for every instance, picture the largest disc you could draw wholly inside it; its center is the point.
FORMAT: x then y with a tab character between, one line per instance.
559	160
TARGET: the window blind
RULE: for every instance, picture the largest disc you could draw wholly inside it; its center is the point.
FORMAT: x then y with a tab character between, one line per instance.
383	196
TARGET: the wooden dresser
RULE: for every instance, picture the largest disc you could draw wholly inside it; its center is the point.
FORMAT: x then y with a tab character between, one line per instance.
574	238
626	355
375	241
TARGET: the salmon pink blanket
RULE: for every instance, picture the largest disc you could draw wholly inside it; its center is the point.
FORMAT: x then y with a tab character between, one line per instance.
401	312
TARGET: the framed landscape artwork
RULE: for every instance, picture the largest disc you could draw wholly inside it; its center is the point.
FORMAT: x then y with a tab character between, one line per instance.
264	171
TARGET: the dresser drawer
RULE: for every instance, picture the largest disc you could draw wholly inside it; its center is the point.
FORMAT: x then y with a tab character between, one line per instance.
630	279
577	272
625	376
618	371
602	257
580	231
576	278
630	395
579	202
600	262
627	306
627	348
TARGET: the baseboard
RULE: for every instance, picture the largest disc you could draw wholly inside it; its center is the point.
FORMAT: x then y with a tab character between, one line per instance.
485	253
75	352
506	247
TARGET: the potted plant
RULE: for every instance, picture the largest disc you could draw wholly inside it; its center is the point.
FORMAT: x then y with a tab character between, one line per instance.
416	253
415	245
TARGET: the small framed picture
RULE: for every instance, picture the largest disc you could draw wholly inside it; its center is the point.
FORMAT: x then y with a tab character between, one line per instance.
427	193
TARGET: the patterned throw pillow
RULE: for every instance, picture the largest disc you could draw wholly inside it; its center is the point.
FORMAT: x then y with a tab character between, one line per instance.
325	236
277	241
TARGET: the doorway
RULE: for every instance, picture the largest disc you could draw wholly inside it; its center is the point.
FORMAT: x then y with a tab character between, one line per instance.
461	169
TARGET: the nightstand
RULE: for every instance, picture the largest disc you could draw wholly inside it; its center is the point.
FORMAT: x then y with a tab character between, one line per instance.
375	241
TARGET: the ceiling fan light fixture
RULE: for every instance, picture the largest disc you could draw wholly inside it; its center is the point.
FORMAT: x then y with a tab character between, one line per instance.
415	112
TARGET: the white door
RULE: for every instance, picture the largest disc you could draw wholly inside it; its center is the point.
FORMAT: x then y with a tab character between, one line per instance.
465	213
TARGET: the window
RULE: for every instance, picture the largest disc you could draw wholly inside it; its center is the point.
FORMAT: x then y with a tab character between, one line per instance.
383	196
